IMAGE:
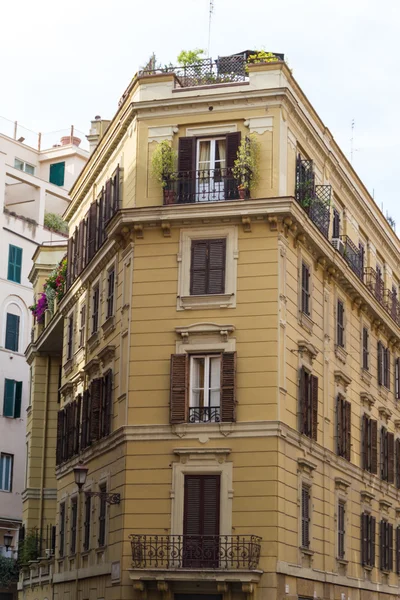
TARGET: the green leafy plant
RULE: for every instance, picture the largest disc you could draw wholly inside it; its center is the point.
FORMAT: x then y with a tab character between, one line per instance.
246	165
8	571
55	222
29	547
163	163
190	57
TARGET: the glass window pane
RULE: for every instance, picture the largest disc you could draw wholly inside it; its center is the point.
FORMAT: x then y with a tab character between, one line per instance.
18	164
220	154
215	372
29	169
204	155
214	398
198	373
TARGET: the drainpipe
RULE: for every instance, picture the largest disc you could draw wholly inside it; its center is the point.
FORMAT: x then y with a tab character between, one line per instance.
46	402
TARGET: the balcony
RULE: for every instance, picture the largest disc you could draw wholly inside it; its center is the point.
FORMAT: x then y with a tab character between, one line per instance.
374	283
353	256
205	414
392	306
196	552
314	199
214	185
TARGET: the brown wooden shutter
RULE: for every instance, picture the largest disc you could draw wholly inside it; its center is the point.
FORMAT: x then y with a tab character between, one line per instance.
232	147
390	540
179	388
305	517
96	388
199	267
100	220
374	446
70	410
81	246
116	197
390	446
60	428
397	378
372	535
107	202
201	505
339	411
397	462
211	505
302	402
192	505
108	402
364	441
364	538
92	231
380	362
187	154
216	266
382	544
348	431
314	400
69	262
85	410
78	404
228	387
398	550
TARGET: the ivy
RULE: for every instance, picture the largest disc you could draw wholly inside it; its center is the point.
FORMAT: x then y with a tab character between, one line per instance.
8	571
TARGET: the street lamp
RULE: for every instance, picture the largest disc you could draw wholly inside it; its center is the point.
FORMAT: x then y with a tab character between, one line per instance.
8	539
80	474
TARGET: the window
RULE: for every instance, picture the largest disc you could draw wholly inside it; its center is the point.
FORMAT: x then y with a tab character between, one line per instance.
383	365
102	516
305	516
341	529
205	383
95	308
397	378
62	529
361	255
211	393
343	427
6	472
387	455
308	394
397	462
368	524
201	518
70	336
12	398
57	173
207	269
14	263
86	525
59	384
369	444
386	545
82	326
110	292
340	324
74	517
12	332
379	283
305	289
24	166
365	348
336	224
398	550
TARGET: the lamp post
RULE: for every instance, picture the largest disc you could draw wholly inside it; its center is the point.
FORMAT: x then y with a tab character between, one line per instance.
8	540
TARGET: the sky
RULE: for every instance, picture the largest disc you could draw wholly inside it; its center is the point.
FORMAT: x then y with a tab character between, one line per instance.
64	63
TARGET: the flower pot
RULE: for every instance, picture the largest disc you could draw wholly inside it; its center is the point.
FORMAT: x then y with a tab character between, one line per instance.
242	193
169	197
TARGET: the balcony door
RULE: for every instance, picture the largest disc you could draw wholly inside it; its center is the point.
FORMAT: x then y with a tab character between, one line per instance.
201	522
211	169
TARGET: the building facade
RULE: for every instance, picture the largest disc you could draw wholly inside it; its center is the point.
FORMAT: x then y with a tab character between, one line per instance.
229	359
32	183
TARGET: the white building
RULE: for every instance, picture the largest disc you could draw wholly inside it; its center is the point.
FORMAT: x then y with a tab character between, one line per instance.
32	183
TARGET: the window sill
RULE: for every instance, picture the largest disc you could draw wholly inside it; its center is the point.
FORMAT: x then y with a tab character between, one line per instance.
93	341
306	551
101	549
342	561
208	301
108	326
385	571
341	354
306	322
366	376
383	392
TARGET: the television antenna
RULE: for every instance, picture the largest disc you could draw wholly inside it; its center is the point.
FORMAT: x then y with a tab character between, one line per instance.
209	26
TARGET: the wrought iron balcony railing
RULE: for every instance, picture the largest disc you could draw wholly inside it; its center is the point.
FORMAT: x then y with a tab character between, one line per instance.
353	256
204	414
392	305
211	185
217	552
374	283
314	199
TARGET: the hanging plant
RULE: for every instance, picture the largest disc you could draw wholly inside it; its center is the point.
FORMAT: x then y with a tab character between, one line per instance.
40	307
163	163
246	165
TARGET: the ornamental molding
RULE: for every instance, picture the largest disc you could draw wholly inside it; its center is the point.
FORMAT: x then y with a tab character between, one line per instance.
161	133
367	400
385	505
384	413
342	484
199	329
341	378
307	350
305	466
260	124
92	367
106	354
367	497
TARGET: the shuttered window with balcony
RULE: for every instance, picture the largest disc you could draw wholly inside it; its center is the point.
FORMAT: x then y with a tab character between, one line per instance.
386	545
368	526
387	455
183	387
343	436
201	521
369	444
383	365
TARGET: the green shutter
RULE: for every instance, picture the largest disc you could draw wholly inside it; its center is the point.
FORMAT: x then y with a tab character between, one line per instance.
14	263
9	394
18	399
57	171
12	332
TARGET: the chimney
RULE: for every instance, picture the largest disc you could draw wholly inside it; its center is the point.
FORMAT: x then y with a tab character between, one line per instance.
97	129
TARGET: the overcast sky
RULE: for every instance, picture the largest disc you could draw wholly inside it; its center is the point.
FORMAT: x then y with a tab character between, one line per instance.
63	63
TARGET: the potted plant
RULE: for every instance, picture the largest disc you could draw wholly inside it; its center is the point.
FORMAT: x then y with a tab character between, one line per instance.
163	169
245	168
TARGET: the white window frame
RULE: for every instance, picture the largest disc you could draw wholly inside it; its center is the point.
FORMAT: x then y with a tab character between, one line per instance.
206	390
228	299
3	487
24	165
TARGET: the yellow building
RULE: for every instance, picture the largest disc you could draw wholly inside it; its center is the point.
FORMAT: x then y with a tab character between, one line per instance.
227	356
